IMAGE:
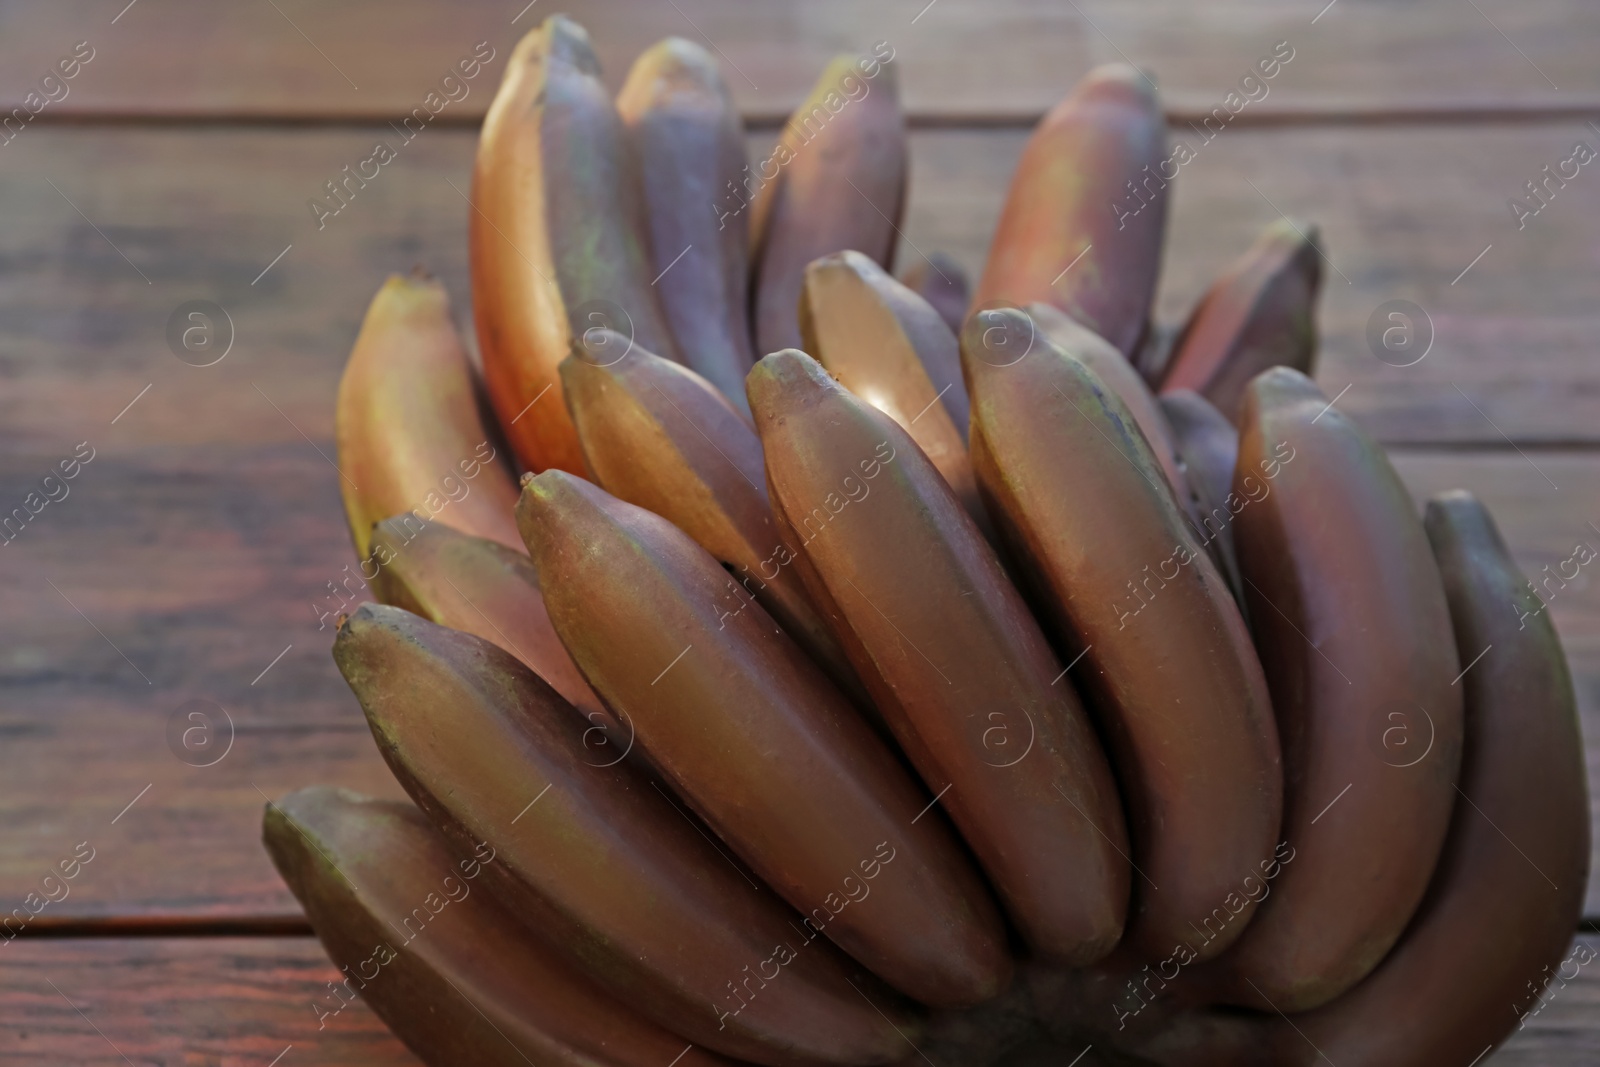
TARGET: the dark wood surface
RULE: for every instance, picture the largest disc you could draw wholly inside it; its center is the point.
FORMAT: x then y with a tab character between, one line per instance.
190	550
962	60
241	1002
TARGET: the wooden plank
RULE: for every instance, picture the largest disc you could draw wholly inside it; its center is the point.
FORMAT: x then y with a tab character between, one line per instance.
203	610
197	539
235	1002
1403	213
202	214
240	1003
1010	58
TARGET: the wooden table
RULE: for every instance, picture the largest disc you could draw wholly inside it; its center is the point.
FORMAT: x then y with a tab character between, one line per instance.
184	562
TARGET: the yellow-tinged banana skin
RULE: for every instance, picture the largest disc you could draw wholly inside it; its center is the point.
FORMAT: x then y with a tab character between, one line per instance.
689	139
409	433
1113	368
596	862
489	591
1353	629
558	236
1167	661
886	345
451	972
659	436
835	180
957	665
761	745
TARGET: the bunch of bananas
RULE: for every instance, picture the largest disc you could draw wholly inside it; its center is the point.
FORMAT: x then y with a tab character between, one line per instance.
971	689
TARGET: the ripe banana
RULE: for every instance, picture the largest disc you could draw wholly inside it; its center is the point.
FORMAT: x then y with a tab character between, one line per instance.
886	345
952	657
837	180
1261	313
485	589
1077	492
452	973
1508	890
595	861
558	236
1114	371
1208	450
409	433
761	745
689	139
659	436
941	281
1354	632
1083	222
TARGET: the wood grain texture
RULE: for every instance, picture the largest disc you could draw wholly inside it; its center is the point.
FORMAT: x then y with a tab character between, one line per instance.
199	564
201	214
240	1003
206	527
1016	58
208	524
234	1002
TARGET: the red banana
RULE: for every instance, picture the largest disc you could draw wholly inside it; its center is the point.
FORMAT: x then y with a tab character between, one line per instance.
837	181
453	974
761	745
1084	219
1077	493
558	236
659	436
953	659
594	860
409	433
686	132
1354	632
1261	313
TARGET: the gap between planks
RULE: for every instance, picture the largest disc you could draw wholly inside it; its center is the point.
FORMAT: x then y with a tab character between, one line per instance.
1021	119
204	926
